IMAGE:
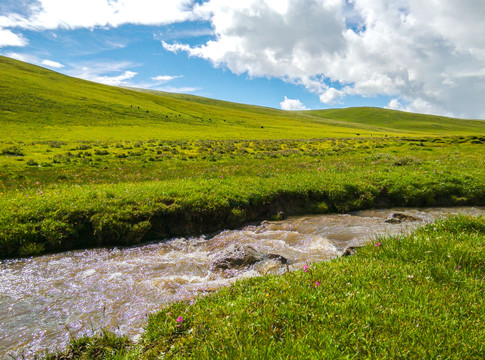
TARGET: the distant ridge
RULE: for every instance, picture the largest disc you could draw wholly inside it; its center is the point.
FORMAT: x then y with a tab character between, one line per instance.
40	104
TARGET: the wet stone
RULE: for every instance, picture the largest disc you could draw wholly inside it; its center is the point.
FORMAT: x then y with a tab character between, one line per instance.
238	256
397	218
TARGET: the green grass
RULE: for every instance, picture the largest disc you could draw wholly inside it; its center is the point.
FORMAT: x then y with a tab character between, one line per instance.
413	297
377	118
41	105
84	164
79	201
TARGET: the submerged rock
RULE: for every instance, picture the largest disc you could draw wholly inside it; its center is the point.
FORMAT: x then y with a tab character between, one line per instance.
237	256
397	218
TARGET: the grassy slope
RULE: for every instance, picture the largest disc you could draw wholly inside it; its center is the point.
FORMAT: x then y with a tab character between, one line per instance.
39	104
417	297
404	121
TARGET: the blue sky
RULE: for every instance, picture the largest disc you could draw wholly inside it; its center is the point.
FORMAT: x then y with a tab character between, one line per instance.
290	54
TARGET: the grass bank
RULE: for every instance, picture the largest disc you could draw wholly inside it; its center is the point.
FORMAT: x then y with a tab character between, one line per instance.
419	297
88	195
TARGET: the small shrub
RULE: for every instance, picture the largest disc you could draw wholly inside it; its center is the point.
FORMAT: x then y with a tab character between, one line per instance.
31	162
101	152
12	151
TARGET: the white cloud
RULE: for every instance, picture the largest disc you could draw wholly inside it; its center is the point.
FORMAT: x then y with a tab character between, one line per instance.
21	57
429	55
109	73
184	89
52	64
116	80
394	104
52	14
292	104
331	95
165	78
8	38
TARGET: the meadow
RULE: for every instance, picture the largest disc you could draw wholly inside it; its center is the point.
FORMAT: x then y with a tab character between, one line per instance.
87	165
60	196
84	164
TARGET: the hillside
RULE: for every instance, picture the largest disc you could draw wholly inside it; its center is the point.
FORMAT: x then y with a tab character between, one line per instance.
39	104
400	120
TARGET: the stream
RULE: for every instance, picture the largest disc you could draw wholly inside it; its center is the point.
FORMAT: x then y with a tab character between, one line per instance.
48	299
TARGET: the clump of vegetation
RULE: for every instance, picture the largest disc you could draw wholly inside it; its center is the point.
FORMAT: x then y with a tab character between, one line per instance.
105	345
418	296
12	151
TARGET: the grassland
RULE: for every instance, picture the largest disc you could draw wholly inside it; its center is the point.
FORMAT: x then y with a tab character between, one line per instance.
41	105
413	297
83	164
66	197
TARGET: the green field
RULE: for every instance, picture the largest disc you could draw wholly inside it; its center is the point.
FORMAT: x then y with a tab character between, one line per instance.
85	165
41	105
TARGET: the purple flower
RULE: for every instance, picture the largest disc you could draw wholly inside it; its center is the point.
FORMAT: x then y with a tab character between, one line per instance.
180	319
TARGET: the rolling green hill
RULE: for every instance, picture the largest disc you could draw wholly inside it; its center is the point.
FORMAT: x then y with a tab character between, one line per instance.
386	119
38	104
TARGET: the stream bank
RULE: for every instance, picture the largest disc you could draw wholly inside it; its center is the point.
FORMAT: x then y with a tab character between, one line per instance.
45	300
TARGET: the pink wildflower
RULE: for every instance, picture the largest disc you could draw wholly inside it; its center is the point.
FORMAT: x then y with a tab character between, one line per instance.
305	268
180	319
317	283
378	244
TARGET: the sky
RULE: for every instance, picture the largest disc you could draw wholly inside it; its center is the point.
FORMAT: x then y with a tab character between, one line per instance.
425	56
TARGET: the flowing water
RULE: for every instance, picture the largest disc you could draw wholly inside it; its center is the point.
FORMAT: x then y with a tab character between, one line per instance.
45	300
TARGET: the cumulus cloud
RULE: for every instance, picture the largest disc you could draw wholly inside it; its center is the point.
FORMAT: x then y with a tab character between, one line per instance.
52	64
292	104
394	104
116	80
8	38
34	60
428	55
